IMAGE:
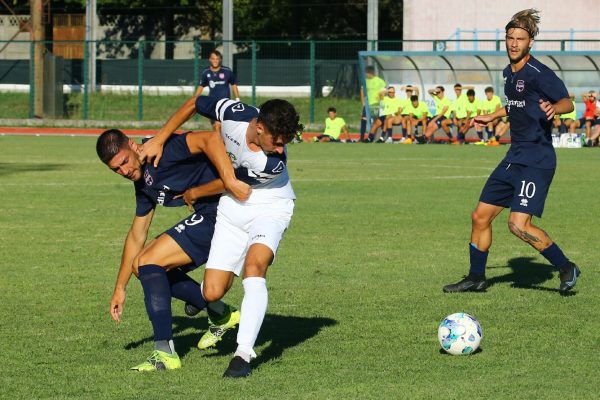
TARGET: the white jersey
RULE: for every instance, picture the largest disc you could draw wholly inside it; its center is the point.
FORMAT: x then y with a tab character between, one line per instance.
267	174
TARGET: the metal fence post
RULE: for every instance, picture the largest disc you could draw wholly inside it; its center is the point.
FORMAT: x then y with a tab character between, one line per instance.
140	68
254	73
31	79
196	64
86	55
312	82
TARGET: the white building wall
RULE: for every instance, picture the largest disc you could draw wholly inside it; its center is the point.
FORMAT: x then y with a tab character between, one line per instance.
435	19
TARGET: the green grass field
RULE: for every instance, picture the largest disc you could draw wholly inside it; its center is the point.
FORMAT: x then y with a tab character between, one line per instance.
355	293
124	107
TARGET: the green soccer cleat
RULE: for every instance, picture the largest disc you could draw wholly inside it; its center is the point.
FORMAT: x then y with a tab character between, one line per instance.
217	330
159	361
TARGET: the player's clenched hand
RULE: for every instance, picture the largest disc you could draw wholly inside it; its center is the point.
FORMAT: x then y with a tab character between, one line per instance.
116	305
190	196
548	109
152	150
480	121
240	190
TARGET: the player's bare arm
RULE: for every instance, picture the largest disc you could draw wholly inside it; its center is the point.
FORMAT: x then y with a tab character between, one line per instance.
487	118
191	195
563	106
134	243
212	145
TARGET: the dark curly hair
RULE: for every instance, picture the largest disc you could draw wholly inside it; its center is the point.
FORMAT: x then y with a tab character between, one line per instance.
109	143
280	119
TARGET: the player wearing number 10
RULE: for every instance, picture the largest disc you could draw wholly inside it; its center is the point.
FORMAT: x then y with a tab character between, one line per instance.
534	94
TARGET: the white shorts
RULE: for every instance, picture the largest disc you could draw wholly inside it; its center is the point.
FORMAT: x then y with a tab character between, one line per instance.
240	225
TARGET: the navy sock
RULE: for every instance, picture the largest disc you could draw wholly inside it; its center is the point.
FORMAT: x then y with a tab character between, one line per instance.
461	137
363	128
555	256
157	297
478	260
497	138
186	289
489	132
404	132
371	137
480	134
388	133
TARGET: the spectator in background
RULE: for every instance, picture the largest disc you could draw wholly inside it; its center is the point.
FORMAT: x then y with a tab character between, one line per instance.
459	112
392	106
218	78
589	115
374	86
564	121
334	127
442	114
489	105
473	109
418	113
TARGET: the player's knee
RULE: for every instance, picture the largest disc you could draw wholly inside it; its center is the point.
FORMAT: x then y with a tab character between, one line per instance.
479	220
212	292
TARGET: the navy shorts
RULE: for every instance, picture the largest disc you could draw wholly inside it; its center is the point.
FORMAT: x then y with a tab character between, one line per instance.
521	188
194	234
439	121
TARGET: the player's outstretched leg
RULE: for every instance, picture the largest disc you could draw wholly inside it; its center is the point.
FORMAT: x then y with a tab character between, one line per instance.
157	298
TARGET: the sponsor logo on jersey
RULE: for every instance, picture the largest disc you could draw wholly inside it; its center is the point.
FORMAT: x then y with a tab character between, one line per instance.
523	203
148	178
515	103
231	139
161	195
237	107
520	85
279	168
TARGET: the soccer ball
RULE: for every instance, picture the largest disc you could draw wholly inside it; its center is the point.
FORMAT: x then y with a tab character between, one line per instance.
460	333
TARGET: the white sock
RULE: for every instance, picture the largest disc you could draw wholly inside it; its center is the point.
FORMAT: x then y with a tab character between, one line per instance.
253	310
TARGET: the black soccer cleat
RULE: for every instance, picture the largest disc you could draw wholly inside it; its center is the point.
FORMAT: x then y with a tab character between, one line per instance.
191	310
470	283
568	277
238	368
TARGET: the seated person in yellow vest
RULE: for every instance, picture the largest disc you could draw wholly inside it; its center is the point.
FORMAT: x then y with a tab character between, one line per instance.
489	105
563	121
388	108
402	117
418	113
374	86
334	128
441	119
459	111
473	108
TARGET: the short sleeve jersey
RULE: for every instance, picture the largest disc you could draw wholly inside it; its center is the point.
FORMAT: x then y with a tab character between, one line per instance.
390	105
405	105
490	106
374	86
440	104
333	127
471	109
218	82
530	130
459	106
177	171
266	173
419	111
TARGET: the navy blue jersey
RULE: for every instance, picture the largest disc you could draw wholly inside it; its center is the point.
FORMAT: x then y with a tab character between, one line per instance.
218	82
530	130
177	171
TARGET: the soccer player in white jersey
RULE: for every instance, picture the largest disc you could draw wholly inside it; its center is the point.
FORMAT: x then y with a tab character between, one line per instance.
247	234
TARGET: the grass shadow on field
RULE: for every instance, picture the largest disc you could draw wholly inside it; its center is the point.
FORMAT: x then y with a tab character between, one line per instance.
526	274
278	333
16	168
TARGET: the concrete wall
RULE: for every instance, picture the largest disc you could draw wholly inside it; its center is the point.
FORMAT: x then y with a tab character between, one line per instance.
435	19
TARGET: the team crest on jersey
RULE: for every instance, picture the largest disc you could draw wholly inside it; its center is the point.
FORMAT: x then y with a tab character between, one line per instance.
279	168
237	107
148	178
222	75
520	85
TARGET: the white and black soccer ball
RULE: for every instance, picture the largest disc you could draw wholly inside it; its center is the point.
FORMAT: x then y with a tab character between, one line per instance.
460	333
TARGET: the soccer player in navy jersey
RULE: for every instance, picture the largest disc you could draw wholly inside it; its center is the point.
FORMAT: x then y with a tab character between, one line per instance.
247	234
218	78
190	159
534	95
